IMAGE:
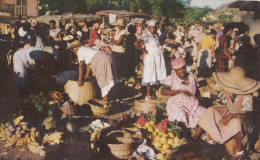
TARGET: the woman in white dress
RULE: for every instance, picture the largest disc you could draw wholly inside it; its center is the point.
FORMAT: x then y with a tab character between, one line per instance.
154	64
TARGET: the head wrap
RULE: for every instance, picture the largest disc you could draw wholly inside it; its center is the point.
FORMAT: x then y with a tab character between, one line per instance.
178	63
151	23
95	26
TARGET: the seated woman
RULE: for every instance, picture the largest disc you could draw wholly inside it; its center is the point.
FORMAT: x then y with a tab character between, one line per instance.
182	106
227	121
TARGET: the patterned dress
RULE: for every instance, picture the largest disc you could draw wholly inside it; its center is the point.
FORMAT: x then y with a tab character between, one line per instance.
222	59
181	107
154	64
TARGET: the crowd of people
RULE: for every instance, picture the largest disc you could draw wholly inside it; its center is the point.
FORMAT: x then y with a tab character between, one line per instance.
174	59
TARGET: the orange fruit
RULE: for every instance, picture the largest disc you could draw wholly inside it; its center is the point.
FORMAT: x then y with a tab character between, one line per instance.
151	123
163	140
157	138
170	141
160	156
170	134
165	146
157	144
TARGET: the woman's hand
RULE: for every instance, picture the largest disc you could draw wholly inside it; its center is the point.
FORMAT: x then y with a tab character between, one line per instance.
185	93
80	83
227	119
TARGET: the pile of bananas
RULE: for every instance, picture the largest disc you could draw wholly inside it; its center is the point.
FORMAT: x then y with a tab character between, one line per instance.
53	138
18	133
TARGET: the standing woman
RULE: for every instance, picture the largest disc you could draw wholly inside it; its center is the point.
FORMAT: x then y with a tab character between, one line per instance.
118	41
54	38
154	65
206	52
93	35
222	53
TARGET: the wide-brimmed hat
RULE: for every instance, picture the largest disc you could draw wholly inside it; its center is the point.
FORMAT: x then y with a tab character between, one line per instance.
74	44
235	81
119	22
48	49
67	38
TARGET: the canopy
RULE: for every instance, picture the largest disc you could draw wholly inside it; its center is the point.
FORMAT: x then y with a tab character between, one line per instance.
122	13
69	18
246	5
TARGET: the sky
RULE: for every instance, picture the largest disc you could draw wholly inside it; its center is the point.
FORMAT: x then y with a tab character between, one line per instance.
211	3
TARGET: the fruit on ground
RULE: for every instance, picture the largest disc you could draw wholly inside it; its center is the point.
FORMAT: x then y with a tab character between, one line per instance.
160	156
170	141
170	134
70	127
157	144
163	140
165	146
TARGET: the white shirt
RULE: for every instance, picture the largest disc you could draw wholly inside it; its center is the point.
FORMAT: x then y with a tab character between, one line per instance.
86	54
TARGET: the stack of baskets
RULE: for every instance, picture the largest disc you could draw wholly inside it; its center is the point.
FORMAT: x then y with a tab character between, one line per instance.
120	143
99	107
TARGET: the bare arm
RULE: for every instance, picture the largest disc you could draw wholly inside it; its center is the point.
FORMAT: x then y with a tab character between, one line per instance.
88	72
138	44
226	52
198	49
166	90
213	53
80	81
117	42
59	36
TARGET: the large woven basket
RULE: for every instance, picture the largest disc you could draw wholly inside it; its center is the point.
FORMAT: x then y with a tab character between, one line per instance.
97	107
143	106
124	149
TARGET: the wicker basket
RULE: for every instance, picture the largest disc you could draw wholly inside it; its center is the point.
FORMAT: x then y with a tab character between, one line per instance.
97	107
142	106
125	147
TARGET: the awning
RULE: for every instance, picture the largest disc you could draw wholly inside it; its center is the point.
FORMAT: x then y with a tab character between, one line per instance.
70	18
246	5
123	13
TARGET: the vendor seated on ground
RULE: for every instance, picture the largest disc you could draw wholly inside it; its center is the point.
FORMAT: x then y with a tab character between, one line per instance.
28	62
233	119
182	106
99	62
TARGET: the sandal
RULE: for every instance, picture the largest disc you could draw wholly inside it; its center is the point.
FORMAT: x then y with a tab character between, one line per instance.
148	98
211	142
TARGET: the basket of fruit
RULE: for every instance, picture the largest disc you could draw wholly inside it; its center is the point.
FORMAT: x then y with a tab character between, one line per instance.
99	107
120	143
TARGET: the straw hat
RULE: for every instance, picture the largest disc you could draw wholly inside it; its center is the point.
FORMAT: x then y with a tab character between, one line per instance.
235	81
119	22
74	44
48	49
68	38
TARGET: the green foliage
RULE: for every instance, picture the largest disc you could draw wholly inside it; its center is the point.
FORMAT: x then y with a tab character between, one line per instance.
159	8
193	15
175	129
225	18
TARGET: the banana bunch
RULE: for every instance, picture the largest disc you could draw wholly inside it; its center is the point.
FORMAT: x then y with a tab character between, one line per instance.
36	149
22	141
53	138
56	96
49	123
2	131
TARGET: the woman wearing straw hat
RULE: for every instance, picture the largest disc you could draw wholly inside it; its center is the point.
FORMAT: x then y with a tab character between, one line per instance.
182	106
118	41
154	64
233	119
97	61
